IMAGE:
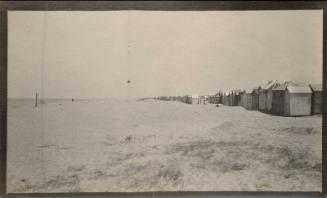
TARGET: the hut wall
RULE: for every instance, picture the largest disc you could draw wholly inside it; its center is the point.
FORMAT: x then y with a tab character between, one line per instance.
316	106
219	99
226	100
300	104
242	100
195	100
255	101
184	99
213	99
277	102
187	100
287	100
245	100
269	100
201	100
249	101
262	101
237	100
191	100
231	103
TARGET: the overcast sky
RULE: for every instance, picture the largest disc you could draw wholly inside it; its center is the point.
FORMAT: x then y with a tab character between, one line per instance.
94	54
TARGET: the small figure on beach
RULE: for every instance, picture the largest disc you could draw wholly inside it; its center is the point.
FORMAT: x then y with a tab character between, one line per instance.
72	99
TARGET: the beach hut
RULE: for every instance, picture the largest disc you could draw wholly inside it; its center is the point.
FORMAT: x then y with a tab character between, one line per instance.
179	98
231	98
220	96
244	98
278	98
316	105
202	100
206	98
214	98
235	98
265	95
297	100
211	99
188	99
269	95
262	99
250	99
223	98
255	98
226	98
241	98
192	99
247	100
284	105
183	98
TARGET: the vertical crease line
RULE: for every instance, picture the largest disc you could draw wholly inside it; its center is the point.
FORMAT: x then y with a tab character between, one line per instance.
42	99
128	54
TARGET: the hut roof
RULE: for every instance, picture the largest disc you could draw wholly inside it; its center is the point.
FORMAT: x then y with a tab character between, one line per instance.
248	91
237	92
270	84
298	89
256	89
194	96
226	93
316	87
267	84
283	86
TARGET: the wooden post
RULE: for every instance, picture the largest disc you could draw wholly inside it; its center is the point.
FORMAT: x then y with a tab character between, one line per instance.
36	99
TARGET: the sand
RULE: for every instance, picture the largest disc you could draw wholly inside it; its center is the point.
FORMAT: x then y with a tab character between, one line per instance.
137	146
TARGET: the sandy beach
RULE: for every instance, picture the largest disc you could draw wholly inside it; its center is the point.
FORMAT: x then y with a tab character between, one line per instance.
134	146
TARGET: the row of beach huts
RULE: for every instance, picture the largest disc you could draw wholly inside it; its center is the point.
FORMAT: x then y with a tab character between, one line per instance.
285	99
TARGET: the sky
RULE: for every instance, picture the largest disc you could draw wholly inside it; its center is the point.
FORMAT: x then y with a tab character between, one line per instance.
93	54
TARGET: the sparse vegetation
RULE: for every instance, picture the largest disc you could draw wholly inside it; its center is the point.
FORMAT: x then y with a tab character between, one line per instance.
171	149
